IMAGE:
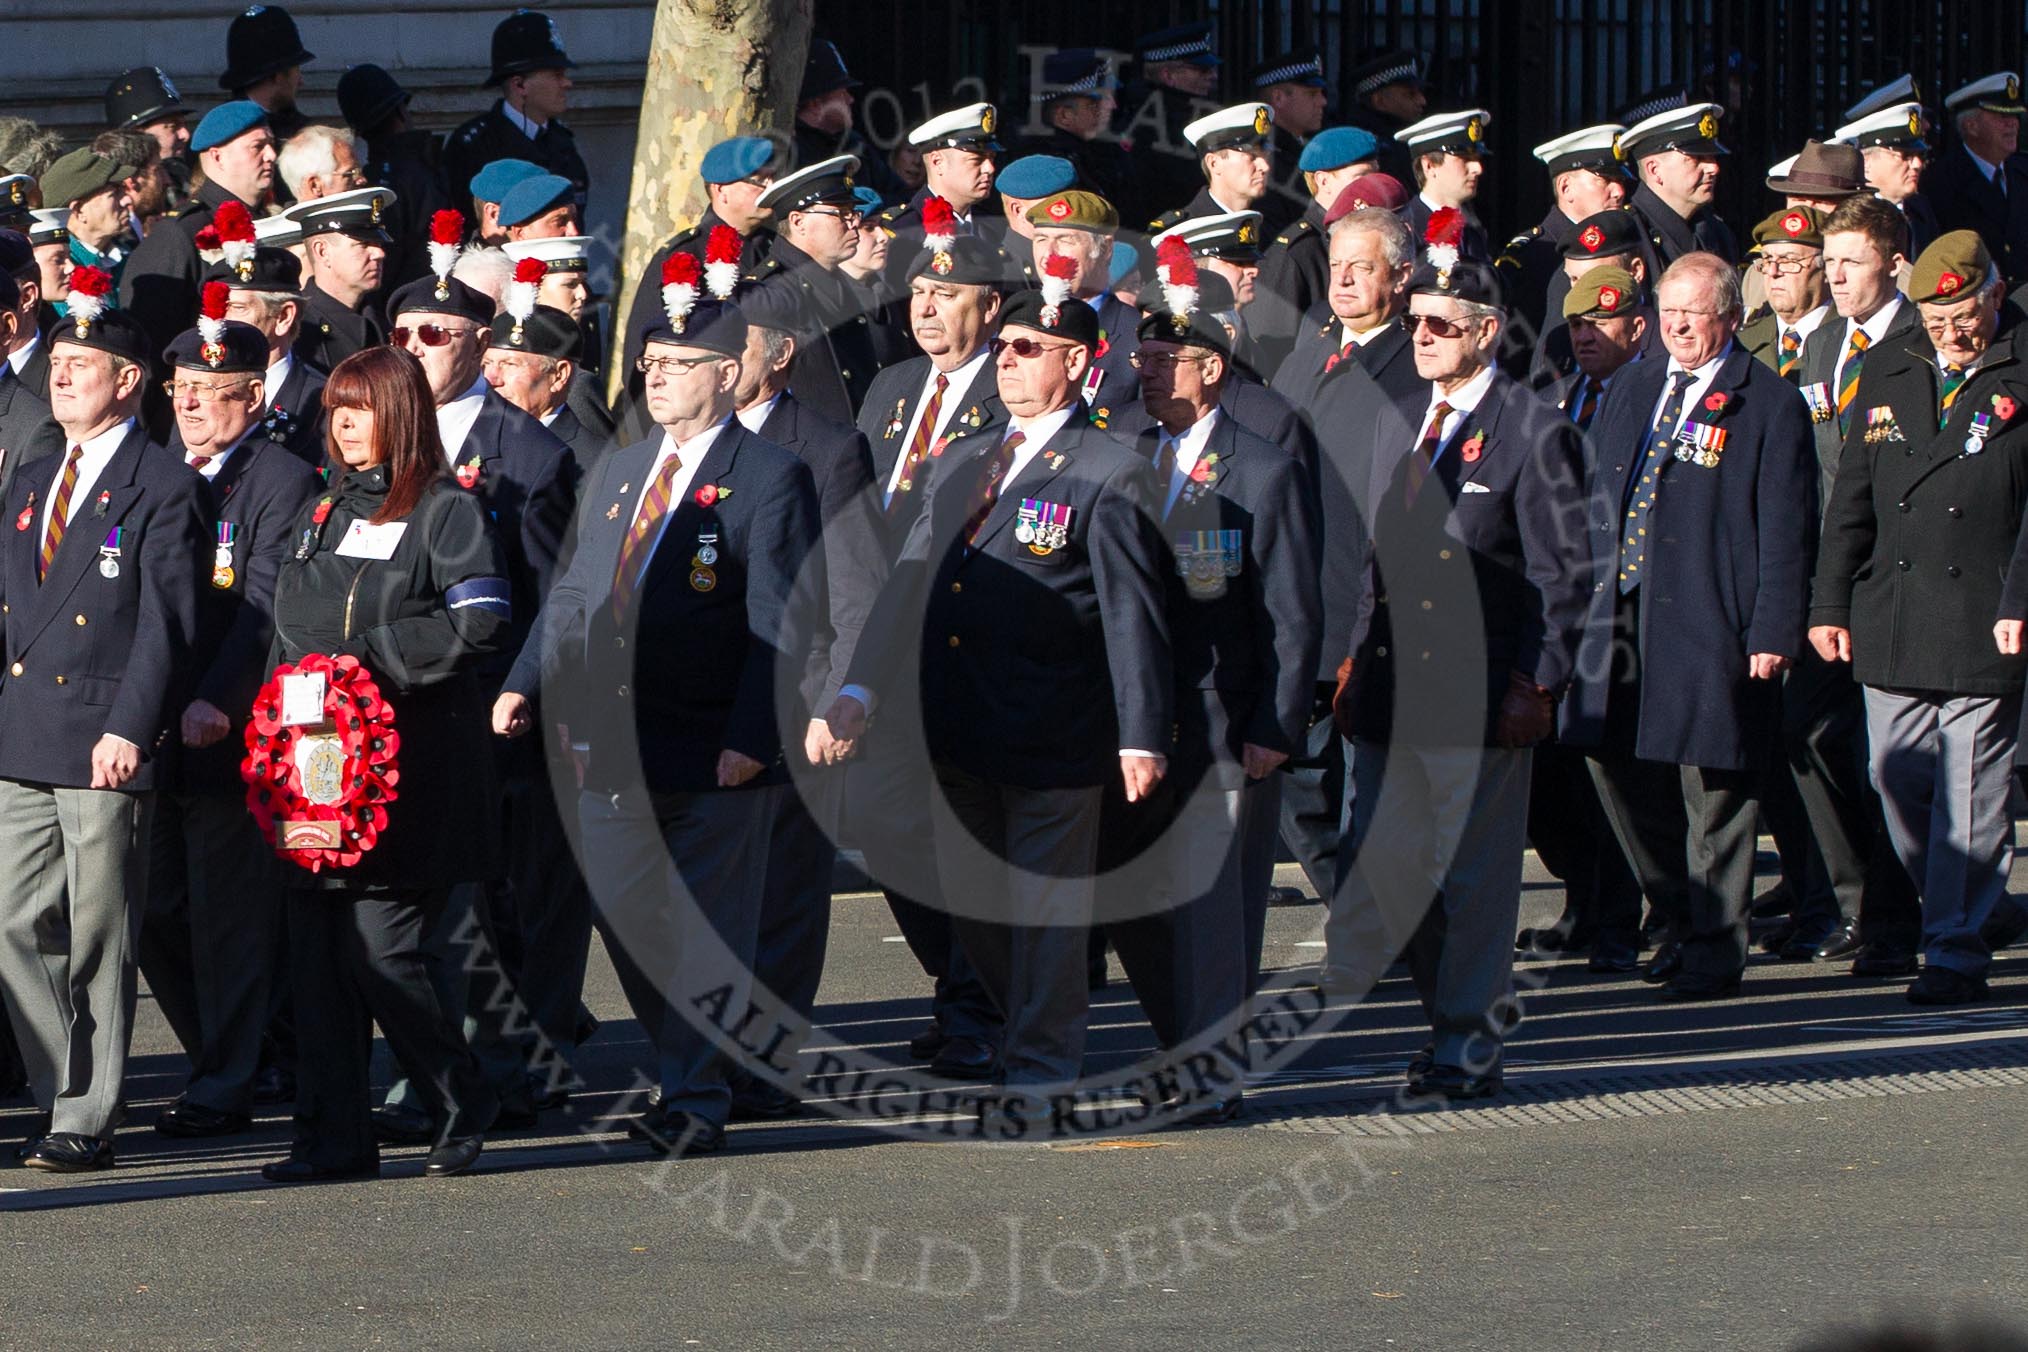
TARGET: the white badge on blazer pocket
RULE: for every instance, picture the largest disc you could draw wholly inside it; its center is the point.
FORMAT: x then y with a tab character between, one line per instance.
364	540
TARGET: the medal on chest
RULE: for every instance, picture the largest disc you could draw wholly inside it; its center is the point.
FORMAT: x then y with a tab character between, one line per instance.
1042	526
1981	428
1206	560
222	574
702	577
27	517
109	554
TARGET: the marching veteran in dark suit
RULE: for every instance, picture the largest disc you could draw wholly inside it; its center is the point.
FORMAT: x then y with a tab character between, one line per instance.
1243	615
394	566
1465	640
209	941
98	603
915	406
1075	236
667	633
1028	609
1919	560
266	292
1702	519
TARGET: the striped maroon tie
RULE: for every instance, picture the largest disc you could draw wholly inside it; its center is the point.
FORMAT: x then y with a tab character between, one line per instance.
59	513
638	547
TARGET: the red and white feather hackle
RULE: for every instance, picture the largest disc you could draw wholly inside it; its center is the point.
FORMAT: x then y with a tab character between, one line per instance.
939	231
1442	237
447	236
722	250
1057	272
1176	269
236	237
680	274
521	292
211	320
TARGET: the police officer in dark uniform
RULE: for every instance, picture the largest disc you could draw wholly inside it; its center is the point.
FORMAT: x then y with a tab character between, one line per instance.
736	171
959	157
1293	86
144	100
824	128
1675	155
1076	103
1178	84
1237	166
1587	177
264	60
1388	94
267	295
531	67
236	149
344	236
406	158
816	229
209	940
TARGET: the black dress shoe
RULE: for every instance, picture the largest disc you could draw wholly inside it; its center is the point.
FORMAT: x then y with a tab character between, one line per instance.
2008	923
1776	901
453	1157
672	1131
274	1085
1668	960
193	1121
1843	943
1874	960
1942	986
760	1101
1557	938
967	1059
293	1170
1698	986
925	1045
1808	940
38	1127
66	1152
1612	956
1777	938
1289	896
1420	1065
1458	1084
403	1126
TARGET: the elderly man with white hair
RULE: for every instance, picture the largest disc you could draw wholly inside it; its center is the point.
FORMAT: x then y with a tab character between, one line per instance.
319	161
1975	182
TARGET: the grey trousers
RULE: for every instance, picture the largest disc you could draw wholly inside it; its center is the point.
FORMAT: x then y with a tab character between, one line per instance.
1439	833
676	883
1024	858
1944	767
211	940
70	915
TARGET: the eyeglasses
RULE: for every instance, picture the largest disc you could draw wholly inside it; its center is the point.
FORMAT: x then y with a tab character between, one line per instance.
847	215
432	335
674	365
1164	361
1439	327
1938	326
1025	348
206	394
1787	267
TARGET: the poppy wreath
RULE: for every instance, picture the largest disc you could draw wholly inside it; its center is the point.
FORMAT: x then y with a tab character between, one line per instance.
364	723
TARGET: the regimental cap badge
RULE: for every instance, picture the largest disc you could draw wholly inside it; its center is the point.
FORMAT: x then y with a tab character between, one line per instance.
986	120
1915	123
1794	224
1619	148
1247	233
1592	238
377	204
1707	126
1059	209
1473	131
1949	284
1609	299
2013	88
1261	120
14	194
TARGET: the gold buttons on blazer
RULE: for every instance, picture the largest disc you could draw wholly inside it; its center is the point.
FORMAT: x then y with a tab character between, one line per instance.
954	640
63	680
80	619
14	670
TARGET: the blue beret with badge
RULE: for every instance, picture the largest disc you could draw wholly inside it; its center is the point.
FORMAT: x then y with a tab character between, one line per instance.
1034	176
735	158
1336	147
228	122
534	195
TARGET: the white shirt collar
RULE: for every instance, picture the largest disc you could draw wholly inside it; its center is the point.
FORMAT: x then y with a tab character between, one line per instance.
278	371
1876	328
527	125
1464	399
1807	325
690	455
1364	336
98	452
550	417
1189	447
455	419
18	358
218	458
752	418
1991	171
1700	381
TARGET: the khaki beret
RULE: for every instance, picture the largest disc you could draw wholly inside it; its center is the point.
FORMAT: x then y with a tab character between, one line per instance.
80	174
1076	210
1792	225
1602	293
1952	267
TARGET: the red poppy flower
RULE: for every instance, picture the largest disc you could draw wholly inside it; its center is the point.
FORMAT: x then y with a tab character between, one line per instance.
1473	449
706	495
2005	406
323	511
1715	403
1200	473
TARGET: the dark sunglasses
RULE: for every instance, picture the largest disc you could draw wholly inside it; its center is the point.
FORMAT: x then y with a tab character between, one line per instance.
1438	325
1023	348
432	335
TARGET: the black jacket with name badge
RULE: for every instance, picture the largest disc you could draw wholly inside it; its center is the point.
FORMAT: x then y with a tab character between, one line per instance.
1922	527
425	621
88	654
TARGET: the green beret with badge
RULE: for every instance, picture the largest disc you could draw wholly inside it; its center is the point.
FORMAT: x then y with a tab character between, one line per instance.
1791	225
1951	268
1076	210
1602	293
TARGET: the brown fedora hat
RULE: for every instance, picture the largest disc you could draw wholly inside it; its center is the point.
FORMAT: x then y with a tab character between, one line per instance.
1823	171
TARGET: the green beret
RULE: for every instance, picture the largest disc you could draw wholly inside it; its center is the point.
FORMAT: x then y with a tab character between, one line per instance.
1794	225
1076	210
1951	268
80	174
1602	293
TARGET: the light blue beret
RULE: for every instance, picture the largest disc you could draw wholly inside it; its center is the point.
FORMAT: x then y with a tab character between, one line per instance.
226	122
740	157
1036	176
1336	147
491	183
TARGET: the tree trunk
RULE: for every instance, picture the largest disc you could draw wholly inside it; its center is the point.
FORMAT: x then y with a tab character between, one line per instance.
716	68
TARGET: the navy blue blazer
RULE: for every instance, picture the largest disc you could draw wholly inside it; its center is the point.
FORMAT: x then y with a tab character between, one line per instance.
295	415
27	432
690	670
1965	199
1254	407
1243	657
1728	566
1037	665
86	654
1482	577
527	482
1119	384
854	554
885	417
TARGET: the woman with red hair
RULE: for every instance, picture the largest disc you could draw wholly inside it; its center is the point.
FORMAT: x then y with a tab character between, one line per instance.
395	565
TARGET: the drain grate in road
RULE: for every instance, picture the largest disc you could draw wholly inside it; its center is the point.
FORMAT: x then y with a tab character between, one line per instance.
1612	1096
